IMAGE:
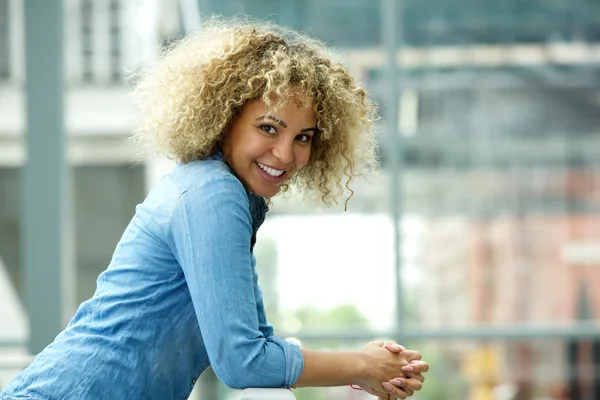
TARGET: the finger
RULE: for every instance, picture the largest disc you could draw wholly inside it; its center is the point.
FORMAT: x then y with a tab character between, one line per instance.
394	391
414	375
379	343
410	383
412	355
406	387
398	382
394	347
418	366
393	343
370	390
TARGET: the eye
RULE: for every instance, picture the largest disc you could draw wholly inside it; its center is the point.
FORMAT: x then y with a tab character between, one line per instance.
304	138
268	129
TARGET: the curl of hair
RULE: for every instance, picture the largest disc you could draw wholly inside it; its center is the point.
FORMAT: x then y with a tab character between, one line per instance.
187	99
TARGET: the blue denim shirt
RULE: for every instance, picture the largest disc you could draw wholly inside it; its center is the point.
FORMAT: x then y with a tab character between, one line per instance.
180	294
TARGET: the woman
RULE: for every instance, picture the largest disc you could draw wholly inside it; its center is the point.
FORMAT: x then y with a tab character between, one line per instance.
247	111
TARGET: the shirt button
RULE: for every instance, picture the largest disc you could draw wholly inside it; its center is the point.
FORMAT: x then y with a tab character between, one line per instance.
194	381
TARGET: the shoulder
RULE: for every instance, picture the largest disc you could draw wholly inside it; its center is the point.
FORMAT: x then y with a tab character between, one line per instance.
204	174
210	199
209	181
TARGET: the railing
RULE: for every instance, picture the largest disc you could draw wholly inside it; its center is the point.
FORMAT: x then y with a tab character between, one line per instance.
266	394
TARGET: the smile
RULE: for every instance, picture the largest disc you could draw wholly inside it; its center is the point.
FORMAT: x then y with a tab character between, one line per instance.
271	171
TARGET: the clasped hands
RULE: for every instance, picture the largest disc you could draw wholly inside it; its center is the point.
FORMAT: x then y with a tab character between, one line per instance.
394	373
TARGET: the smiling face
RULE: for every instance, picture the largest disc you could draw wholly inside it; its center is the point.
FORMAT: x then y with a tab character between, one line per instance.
266	149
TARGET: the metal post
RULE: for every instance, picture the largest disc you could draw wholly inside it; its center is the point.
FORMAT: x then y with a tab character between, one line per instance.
390	35
46	261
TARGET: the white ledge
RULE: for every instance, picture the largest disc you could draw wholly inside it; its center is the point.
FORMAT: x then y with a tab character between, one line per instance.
266	394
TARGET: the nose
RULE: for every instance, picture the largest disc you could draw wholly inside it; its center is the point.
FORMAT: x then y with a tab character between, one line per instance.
283	151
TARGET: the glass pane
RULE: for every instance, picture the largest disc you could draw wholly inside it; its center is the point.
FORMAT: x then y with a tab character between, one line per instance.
330	271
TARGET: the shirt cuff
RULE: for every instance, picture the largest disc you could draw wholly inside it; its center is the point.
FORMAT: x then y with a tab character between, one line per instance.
294	361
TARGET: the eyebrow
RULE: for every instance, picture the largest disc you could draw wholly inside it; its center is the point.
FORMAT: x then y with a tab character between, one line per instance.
283	124
279	122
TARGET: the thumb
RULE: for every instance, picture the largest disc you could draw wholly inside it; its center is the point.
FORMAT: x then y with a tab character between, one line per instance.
394	347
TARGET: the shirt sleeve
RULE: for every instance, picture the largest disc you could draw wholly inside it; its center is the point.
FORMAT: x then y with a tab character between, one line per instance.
263	325
210	231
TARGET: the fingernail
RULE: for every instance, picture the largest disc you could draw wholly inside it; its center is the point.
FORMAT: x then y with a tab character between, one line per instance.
398	347
408	368
398	382
387	386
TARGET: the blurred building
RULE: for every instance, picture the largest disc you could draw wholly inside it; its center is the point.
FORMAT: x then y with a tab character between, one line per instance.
105	40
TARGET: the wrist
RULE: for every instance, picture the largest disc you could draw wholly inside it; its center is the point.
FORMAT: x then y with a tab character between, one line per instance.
362	372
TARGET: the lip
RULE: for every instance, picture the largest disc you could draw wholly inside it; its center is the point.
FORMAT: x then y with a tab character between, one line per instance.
271	179
270	166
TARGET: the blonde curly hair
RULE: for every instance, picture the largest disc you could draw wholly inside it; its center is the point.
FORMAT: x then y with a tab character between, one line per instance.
186	101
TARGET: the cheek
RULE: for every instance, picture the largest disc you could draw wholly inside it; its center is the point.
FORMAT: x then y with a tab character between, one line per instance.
243	152
254	147
302	156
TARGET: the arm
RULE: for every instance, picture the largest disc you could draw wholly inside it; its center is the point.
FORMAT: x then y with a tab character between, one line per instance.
340	369
263	325
210	231
372	366
331	368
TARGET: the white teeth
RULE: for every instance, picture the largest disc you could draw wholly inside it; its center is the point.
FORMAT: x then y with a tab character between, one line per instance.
269	170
